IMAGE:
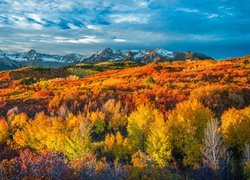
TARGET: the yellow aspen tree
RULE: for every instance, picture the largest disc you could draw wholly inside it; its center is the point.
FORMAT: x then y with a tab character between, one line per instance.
236	127
114	144
158	144
186	124
139	123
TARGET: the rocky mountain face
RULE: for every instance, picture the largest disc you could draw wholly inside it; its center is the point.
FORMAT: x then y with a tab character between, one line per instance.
7	64
143	56
33	58
32	55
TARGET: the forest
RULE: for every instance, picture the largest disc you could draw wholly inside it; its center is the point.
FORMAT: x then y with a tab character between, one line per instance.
164	120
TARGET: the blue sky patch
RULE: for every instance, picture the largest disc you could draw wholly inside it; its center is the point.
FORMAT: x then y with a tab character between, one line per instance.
218	28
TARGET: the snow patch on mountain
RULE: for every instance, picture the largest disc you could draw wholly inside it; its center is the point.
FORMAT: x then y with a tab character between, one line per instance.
142	56
49	59
165	53
32	55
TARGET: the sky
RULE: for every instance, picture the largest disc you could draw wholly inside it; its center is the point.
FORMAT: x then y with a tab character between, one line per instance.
217	28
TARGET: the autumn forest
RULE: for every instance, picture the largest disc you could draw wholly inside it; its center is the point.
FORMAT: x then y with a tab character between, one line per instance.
125	120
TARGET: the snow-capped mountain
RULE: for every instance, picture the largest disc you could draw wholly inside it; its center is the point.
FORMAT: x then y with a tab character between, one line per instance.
142	56
32	55
33	58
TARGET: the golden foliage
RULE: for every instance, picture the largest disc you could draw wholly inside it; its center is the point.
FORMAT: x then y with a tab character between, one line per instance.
158	143
236	127
115	144
17	121
3	131
186	124
139	123
69	136
115	114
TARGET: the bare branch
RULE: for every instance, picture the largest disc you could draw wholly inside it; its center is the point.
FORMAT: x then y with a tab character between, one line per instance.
213	150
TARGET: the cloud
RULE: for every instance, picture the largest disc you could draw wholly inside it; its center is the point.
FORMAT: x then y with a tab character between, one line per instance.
120	40
94	27
142	3
129	18
188	10
83	40
36	17
211	16
60	26
22	22
73	26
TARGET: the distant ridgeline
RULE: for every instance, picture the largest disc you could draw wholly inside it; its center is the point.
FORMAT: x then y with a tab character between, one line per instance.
33	58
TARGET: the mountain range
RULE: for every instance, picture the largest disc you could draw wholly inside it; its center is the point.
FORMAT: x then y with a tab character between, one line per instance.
33	58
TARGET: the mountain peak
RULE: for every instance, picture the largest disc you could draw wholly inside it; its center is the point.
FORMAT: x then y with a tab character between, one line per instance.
32	51
108	50
142	56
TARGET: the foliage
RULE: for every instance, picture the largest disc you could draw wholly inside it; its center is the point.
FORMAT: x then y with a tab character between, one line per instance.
247	170
113	145
81	72
69	136
149	79
121	120
17	121
186	124
29	165
3	131
143	164
158	143
235	127
90	167
2	103
139	123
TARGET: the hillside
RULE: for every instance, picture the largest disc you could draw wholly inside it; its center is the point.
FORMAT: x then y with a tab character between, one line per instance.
124	119
173	82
